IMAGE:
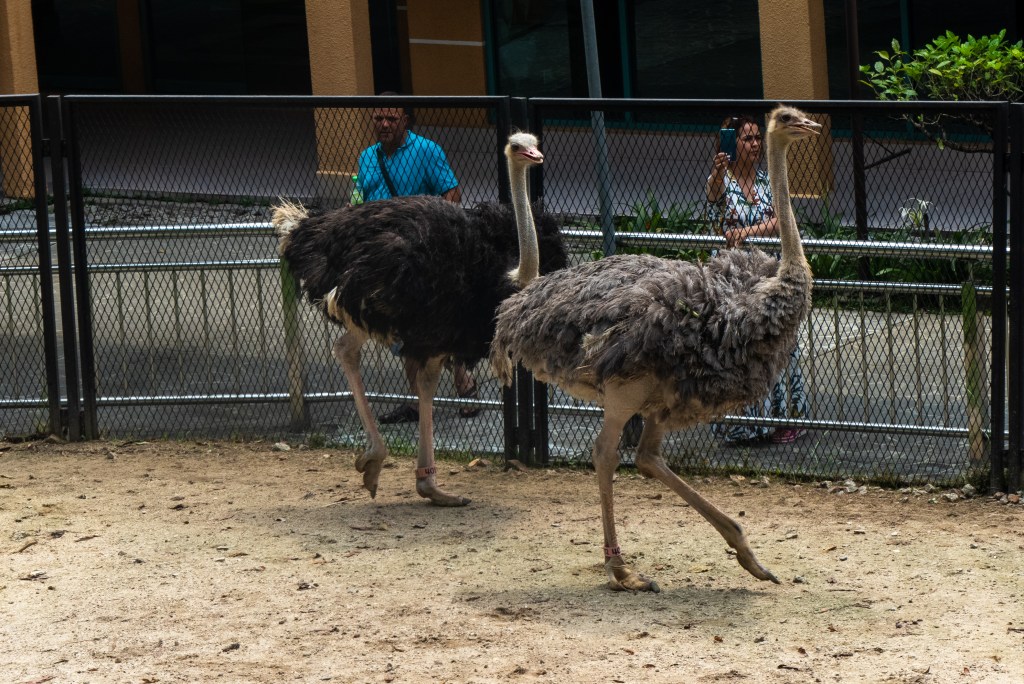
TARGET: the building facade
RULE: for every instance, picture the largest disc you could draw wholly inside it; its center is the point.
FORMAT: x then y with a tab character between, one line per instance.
648	48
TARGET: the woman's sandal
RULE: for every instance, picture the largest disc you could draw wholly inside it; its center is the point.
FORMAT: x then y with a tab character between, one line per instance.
469	411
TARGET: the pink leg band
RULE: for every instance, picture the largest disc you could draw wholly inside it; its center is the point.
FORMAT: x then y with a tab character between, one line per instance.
612	551
422	473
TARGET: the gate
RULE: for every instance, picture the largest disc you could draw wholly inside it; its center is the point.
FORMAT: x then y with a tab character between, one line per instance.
29	376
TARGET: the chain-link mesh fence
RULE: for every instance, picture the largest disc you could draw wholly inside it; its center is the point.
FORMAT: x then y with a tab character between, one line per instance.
186	332
188	314
893	376
28	374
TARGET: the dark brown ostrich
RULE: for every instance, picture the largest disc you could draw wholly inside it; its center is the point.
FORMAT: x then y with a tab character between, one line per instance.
677	342
425	272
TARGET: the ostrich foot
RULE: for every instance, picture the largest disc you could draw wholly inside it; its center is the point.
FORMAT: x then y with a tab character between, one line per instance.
370	465
751	565
622	578
428	489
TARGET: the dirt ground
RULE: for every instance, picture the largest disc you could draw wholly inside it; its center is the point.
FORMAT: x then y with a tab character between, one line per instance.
215	561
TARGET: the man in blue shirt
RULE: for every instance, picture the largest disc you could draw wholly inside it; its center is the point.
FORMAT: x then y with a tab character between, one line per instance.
403	163
415	165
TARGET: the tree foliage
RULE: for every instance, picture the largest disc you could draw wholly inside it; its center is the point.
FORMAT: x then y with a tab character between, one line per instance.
949	69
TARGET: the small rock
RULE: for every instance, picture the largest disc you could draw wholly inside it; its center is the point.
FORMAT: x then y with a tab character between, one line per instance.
1013	498
281	446
951	496
968	491
234	646
799	580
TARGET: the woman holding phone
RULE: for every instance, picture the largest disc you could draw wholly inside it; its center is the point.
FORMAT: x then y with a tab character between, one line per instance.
740	202
737	189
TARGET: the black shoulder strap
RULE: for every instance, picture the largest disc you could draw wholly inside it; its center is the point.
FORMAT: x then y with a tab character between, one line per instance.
384	171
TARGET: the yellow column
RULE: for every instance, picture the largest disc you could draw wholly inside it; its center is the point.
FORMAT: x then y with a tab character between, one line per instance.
794	66
340	63
446	54
17	77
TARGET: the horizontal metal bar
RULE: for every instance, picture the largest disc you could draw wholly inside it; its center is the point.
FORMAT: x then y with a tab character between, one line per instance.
282	397
561	409
838	426
21	270
247	229
578	235
24	403
900	288
324	101
811	106
240	264
812	246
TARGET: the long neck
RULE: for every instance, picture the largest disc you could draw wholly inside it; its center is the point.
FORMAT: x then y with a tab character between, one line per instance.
778	176
529	252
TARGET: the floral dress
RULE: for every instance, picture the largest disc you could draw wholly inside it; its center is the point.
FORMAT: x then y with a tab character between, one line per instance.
787	398
734	210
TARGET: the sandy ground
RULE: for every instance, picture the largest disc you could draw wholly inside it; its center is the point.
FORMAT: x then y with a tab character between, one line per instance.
214	561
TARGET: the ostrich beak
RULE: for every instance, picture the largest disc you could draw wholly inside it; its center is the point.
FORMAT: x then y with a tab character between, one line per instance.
532	155
806	127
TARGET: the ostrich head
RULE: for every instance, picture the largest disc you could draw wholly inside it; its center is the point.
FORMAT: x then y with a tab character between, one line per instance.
789	124
522	150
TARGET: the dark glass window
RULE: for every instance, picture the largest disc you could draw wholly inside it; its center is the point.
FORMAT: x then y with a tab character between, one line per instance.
76	46
188	46
532	48
697	49
647	48
228	46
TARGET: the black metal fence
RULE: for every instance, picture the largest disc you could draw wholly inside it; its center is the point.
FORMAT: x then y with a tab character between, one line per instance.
180	317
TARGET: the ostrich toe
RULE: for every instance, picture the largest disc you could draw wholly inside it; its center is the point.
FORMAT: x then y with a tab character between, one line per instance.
428	489
622	578
751	565
369	464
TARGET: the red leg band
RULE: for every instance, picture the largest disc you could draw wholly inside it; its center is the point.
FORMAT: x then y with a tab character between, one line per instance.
422	473
612	551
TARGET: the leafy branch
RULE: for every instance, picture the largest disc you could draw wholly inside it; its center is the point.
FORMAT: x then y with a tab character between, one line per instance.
949	69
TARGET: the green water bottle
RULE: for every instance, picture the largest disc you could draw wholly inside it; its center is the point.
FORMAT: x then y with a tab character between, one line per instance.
357	191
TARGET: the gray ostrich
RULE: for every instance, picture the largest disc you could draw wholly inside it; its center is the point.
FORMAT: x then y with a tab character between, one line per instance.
679	343
425	272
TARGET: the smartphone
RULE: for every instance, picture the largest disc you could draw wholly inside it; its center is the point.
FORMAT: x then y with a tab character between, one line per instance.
727	142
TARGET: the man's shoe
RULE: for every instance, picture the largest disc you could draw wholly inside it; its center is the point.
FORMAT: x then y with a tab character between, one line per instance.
404	413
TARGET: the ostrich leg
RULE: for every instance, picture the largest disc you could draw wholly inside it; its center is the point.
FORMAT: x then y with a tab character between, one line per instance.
651	464
606	459
346	352
426	473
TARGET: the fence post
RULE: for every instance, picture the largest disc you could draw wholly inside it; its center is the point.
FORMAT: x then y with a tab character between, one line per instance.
1015	364
65	271
293	349
976	376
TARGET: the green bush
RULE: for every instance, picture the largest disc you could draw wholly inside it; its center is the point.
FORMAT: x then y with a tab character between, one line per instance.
950	69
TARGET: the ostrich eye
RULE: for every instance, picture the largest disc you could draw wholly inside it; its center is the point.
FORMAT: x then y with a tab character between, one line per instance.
515	147
786	117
